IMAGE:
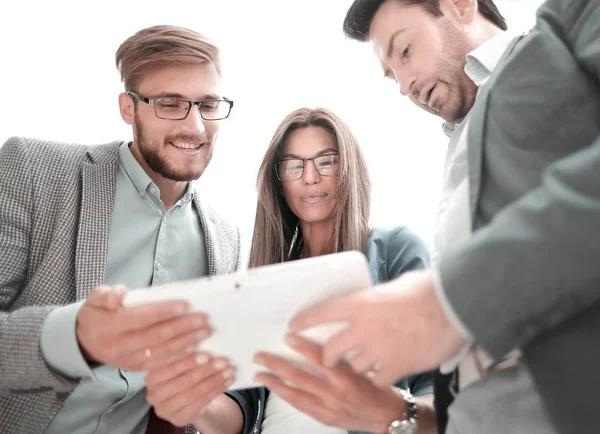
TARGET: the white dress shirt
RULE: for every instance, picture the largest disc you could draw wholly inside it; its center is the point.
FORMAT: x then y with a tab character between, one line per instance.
453	223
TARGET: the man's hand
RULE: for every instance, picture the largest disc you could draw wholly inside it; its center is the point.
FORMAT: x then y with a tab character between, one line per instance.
137	338
182	392
399	328
337	397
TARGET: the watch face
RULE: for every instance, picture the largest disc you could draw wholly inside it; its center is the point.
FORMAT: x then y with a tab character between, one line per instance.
403	427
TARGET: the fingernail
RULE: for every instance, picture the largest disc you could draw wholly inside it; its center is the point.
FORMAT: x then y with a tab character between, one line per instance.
293	324
190	349
101	288
202	359
180	309
198	322
202	334
291	340
228	373
260	377
258	360
220	364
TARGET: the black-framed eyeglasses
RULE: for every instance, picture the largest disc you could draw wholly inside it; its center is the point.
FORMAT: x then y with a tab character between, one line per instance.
176	109
291	169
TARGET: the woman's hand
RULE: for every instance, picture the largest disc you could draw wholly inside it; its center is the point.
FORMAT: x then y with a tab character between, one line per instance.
337	397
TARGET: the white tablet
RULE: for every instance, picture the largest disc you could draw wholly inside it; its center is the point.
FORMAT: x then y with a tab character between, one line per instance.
249	310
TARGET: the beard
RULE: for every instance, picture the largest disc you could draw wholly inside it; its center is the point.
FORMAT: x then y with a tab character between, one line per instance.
461	89
153	154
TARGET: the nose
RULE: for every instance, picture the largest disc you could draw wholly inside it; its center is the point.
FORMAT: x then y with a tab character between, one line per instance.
406	82
193	124
405	87
310	176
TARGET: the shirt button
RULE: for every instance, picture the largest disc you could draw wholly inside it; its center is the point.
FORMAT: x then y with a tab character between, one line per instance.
152	190
62	396
158	265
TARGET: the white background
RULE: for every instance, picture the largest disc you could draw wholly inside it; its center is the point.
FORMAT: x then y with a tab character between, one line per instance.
59	82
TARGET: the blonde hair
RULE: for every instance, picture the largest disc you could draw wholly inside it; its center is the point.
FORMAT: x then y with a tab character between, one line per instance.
158	46
277	236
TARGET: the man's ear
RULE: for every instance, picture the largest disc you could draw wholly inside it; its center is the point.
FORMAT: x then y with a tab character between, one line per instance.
126	108
463	11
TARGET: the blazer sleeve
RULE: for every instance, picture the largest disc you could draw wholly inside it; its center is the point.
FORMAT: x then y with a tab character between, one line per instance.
238	256
535	265
23	369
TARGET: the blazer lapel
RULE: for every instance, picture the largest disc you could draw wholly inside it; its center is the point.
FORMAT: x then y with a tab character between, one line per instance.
98	184
476	135
210	234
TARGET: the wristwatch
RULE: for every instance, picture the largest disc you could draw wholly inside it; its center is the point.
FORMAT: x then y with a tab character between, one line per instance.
408	423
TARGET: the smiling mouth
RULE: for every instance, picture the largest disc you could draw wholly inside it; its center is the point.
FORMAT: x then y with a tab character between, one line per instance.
186	146
434	105
428	97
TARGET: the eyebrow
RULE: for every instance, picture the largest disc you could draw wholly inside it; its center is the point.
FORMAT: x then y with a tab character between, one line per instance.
392	40
180	96
323	152
387	73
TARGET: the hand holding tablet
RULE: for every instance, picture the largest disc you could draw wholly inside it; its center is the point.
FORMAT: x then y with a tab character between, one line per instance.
249	310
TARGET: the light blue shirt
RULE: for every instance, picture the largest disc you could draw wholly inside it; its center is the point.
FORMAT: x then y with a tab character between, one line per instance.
147	246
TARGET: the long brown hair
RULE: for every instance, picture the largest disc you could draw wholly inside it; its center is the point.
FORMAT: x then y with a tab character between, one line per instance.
277	236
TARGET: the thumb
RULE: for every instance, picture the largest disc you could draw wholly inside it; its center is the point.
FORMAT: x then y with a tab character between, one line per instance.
107	297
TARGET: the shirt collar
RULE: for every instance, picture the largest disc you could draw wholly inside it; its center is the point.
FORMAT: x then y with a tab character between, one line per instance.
188	196
140	179
480	63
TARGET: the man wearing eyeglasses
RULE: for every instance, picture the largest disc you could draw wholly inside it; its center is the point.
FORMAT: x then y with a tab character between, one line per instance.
80	224
523	285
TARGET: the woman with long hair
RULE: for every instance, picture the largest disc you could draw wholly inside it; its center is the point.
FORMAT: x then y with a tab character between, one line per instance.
314	197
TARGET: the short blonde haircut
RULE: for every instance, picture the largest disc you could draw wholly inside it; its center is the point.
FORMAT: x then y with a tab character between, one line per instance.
159	46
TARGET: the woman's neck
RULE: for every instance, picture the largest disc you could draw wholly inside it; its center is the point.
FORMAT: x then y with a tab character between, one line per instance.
317	238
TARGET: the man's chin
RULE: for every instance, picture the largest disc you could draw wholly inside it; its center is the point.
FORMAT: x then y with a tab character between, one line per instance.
450	116
184	177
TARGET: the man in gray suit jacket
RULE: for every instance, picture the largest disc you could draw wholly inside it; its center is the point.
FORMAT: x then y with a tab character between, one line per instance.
527	279
79	224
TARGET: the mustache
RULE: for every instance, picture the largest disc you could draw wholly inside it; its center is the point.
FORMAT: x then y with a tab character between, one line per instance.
188	138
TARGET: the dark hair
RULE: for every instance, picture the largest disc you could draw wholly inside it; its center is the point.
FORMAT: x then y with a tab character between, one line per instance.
361	13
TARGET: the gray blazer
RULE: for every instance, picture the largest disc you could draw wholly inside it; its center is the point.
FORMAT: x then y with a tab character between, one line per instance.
530	276
56	203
